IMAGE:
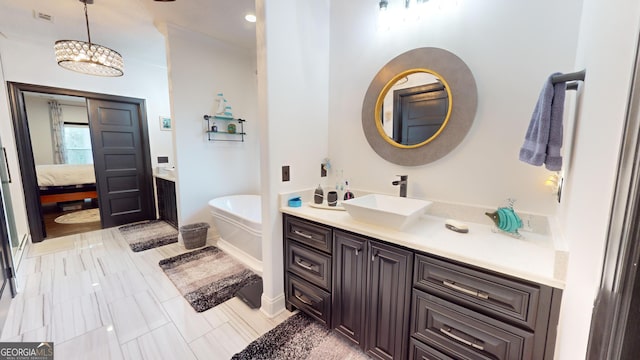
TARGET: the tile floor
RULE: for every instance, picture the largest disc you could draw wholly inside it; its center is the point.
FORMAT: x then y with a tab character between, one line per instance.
96	299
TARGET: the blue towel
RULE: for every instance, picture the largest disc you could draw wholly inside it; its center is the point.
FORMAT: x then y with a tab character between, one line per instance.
543	140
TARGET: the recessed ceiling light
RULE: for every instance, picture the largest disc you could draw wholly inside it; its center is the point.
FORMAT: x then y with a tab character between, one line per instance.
250	18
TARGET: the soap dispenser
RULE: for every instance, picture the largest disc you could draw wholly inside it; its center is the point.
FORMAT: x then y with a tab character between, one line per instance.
318	195
348	194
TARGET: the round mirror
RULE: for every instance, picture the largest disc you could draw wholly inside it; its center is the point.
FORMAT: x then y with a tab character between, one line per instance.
413	108
446	99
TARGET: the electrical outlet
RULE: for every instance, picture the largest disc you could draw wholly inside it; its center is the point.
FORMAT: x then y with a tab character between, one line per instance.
323	171
285	173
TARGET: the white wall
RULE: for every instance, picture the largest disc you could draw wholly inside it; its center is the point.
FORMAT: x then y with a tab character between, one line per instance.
607	45
200	67
510	54
39	129
34	63
293	72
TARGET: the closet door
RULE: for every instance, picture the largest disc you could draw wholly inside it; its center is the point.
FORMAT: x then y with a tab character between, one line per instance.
122	161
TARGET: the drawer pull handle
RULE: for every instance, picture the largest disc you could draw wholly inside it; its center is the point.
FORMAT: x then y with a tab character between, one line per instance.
357	251
304	264
471	292
304	299
448	332
303	234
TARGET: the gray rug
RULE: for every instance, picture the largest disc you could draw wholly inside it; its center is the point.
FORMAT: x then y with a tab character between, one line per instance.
300	337
148	235
207	277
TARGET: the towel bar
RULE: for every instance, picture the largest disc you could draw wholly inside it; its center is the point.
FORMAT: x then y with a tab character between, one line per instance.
578	75
572	85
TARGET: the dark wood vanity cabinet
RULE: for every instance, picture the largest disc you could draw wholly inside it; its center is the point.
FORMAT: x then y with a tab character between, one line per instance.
358	286
371	294
396	303
350	283
167	208
461	312
307	257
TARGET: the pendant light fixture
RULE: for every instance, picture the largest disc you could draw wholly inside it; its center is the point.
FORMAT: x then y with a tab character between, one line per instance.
87	57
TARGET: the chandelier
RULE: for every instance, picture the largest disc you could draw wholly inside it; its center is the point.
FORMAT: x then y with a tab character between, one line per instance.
87	57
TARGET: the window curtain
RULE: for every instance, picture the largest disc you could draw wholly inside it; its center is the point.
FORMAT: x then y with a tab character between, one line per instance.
57	129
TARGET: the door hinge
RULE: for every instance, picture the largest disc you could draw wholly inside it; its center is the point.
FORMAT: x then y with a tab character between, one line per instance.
10	273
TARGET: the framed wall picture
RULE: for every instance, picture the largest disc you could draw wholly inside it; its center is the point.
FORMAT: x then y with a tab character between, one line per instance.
165	123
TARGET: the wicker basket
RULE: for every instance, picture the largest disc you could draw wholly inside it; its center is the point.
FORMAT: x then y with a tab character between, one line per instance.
194	235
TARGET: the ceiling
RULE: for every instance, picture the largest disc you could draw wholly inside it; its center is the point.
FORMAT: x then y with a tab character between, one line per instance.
127	26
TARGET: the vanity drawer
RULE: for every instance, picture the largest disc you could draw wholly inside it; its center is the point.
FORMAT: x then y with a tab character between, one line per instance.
309	264
309	298
507	299
464	334
420	351
307	232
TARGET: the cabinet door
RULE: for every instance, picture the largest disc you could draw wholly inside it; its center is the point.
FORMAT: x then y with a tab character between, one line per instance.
167	208
350	266
389	284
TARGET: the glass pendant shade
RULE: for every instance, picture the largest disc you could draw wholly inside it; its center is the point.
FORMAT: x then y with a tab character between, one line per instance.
87	58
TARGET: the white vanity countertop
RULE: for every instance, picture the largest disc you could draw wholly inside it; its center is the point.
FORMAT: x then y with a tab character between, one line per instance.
167	176
533	258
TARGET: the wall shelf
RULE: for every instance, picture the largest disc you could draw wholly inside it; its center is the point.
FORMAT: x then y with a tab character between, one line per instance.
232	129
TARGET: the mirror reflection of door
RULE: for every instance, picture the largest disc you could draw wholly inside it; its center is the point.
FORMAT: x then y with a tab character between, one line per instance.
414	108
419	112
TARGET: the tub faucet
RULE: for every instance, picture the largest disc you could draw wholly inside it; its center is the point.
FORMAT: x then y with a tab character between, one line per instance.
404	179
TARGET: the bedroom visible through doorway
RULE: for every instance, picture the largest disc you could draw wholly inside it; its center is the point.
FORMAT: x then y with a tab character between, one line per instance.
63	158
121	158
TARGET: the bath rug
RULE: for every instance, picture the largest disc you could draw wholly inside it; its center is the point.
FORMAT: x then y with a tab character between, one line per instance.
207	277
79	217
300	337
148	235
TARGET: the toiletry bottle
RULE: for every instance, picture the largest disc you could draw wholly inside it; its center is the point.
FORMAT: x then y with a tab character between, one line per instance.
318	195
214	127
348	194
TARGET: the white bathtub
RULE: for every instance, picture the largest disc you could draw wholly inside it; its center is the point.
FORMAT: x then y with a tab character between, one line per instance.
238	219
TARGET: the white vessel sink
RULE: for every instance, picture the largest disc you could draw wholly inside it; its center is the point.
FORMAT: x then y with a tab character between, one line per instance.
384	210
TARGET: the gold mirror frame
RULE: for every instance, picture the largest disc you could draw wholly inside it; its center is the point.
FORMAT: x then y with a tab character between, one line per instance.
383	94
461	87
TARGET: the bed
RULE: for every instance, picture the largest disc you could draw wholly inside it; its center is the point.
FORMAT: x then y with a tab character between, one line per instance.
66	182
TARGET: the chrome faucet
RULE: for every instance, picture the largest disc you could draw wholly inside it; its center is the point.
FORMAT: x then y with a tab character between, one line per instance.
404	179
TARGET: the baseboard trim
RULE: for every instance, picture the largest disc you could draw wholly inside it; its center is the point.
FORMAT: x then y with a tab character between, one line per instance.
272	307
